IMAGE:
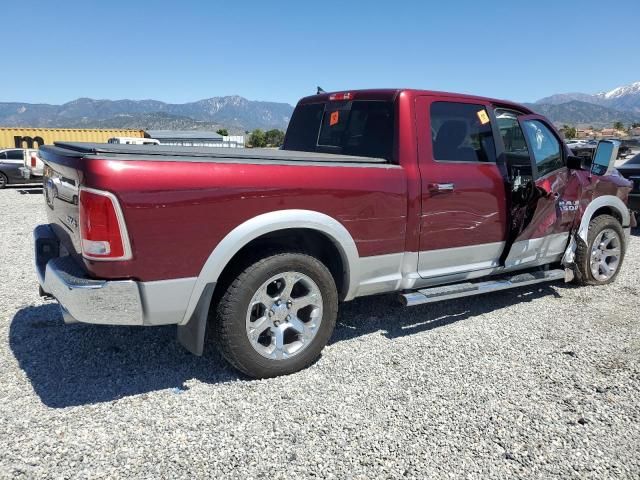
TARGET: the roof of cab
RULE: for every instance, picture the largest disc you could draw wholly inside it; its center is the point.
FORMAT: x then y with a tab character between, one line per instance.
390	94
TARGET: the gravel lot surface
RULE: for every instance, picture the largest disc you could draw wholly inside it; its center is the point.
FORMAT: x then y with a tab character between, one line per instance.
537	382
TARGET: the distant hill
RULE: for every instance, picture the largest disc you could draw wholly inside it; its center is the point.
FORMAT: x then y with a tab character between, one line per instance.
238	114
233	112
625	98
560	98
151	121
575	112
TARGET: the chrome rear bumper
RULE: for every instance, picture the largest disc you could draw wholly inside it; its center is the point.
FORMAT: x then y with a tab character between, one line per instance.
81	298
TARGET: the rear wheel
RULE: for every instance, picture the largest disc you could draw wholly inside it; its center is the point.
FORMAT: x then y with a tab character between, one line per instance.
277	315
600	259
3	180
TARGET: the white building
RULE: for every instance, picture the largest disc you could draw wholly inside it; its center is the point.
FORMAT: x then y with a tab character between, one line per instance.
195	138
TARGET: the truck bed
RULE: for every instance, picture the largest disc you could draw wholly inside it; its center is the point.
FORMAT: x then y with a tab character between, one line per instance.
201	154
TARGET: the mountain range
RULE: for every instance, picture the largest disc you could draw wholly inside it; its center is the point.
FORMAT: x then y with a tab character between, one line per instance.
625	98
599	109
237	114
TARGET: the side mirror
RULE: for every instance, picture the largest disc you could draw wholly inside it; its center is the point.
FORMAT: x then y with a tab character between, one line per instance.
578	163
604	157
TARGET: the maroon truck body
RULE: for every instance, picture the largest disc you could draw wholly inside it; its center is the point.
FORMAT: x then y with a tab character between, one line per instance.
421	220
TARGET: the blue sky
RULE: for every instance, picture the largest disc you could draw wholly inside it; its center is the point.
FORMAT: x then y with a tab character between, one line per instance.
279	51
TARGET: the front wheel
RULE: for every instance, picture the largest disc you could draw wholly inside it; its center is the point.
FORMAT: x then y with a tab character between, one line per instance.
277	315
600	259
4	181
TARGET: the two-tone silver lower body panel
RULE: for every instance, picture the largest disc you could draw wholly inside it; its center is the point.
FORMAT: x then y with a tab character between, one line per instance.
415	270
107	302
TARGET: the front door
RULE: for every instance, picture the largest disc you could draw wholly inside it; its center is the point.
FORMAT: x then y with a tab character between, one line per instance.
544	192
464	208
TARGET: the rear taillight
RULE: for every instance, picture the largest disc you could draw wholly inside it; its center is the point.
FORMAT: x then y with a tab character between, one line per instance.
34	160
103	232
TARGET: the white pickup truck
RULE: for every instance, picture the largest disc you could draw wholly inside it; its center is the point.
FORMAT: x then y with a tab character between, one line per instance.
33	167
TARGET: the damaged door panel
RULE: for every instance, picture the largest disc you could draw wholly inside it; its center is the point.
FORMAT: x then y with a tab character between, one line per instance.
544	193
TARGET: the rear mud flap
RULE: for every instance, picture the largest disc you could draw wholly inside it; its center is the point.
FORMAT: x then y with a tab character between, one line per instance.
192	334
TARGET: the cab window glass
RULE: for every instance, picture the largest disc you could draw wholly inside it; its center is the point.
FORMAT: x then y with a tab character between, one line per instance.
545	147
360	127
461	132
511	133
515	146
15	155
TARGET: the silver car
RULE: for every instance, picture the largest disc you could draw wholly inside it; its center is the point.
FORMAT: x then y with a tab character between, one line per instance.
11	161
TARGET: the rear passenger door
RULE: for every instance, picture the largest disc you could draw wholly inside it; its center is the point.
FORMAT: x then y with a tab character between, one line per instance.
463	214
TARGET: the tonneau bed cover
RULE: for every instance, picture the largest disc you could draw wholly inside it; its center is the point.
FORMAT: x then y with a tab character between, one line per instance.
198	154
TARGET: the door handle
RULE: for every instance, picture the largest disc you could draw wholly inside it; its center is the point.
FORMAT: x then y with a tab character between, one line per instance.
442	187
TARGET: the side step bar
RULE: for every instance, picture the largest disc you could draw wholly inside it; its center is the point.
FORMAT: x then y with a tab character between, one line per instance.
467	289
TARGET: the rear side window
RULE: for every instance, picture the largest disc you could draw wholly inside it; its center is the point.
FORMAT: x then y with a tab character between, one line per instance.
461	132
360	127
15	155
545	147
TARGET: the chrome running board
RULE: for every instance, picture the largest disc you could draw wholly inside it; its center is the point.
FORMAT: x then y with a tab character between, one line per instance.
467	289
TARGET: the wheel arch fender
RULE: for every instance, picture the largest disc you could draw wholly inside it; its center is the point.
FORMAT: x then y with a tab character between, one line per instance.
267	223
598	203
606	202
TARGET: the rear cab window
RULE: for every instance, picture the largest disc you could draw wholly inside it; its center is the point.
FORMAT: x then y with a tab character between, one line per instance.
358	127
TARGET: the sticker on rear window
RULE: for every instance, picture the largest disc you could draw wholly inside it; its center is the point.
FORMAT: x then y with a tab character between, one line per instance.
482	116
334	118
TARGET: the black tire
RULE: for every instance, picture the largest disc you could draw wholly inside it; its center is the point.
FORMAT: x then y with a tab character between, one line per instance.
232	308
583	251
4	181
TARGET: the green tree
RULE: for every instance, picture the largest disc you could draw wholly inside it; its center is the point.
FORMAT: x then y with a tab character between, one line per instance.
274	138
223	131
618	125
635	125
257	139
569	132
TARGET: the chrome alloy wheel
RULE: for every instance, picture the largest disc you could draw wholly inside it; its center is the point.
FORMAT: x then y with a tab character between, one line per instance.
605	254
284	315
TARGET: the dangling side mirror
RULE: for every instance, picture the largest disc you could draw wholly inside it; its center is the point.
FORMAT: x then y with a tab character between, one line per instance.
575	162
604	157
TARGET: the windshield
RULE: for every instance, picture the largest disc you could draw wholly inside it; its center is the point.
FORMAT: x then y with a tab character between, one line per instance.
360	127
635	160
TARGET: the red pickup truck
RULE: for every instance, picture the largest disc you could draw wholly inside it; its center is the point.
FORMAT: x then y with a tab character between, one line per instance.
431	195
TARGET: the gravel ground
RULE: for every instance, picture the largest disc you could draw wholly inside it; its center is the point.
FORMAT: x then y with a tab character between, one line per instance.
536	382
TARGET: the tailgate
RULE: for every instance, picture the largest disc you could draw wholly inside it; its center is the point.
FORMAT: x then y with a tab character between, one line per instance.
33	162
61	179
